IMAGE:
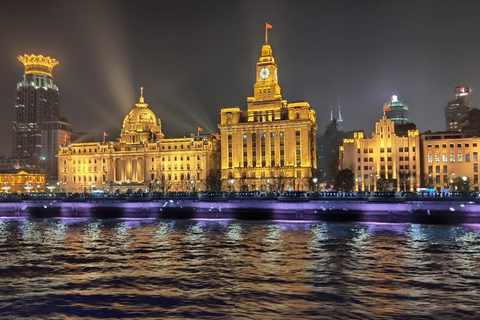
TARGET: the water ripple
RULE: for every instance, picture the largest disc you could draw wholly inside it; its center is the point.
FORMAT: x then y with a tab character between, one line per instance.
169	269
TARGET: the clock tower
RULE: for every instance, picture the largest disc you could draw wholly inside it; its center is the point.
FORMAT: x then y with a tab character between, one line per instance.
266	88
271	145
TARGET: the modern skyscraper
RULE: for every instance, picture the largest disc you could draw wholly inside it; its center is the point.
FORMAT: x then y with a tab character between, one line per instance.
271	145
457	109
396	110
36	101
328	146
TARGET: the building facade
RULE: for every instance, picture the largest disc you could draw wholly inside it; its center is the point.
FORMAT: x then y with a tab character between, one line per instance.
22	181
328	146
396	110
384	162
450	161
271	145
54	134
36	101
457	109
141	160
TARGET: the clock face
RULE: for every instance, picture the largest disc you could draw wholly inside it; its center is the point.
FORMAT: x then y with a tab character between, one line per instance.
264	73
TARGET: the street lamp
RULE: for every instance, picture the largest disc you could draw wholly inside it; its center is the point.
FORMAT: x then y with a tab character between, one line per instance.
232	187
315	180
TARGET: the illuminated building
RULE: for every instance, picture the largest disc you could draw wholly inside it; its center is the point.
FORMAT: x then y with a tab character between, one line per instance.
396	110
54	135
141	159
384	162
456	109
271	145
21	181
450	161
36	101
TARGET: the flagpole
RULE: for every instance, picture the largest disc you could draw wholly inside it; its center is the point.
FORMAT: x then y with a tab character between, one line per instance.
266	33
103	137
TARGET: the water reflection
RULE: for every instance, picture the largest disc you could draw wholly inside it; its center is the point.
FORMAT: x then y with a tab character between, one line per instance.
234	269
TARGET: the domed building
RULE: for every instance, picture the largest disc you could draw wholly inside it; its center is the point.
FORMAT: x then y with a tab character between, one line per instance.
141	159
141	124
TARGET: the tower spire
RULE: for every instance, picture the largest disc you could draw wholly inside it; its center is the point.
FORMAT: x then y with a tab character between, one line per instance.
340	119
142	99
331	110
141	103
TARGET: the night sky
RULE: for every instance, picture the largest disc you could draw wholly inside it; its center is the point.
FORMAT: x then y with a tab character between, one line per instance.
195	57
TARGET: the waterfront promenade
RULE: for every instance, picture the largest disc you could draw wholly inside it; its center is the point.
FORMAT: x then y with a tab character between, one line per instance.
386	208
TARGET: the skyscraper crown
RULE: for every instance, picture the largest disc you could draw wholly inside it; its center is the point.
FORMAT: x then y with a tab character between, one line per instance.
38	64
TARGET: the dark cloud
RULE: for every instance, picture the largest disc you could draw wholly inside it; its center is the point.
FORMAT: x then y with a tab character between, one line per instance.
195	57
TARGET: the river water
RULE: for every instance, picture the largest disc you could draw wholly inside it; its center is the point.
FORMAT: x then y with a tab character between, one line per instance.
97	269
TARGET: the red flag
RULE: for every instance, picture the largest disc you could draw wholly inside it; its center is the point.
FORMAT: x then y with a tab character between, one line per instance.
200	129
269	26
67	136
105	134
387	108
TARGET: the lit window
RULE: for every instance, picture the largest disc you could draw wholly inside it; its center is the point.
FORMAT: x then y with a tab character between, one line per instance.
429	158
460	157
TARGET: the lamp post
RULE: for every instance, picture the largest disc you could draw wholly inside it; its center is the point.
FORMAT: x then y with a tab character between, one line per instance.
466	186
315	180
232	188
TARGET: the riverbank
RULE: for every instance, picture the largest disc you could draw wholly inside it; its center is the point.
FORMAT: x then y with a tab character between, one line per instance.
431	210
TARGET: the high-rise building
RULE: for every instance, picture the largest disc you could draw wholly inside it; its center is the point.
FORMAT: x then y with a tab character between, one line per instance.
36	101
384	162
457	109
54	135
396	110
328	147
271	145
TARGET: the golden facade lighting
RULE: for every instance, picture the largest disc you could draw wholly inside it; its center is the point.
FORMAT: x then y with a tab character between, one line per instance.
38	64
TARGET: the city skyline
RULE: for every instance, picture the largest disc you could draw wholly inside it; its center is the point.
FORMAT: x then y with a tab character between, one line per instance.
194	58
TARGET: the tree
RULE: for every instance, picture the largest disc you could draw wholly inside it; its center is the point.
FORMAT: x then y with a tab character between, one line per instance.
242	180
427	181
404	180
461	184
384	185
213	181
278	179
344	180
